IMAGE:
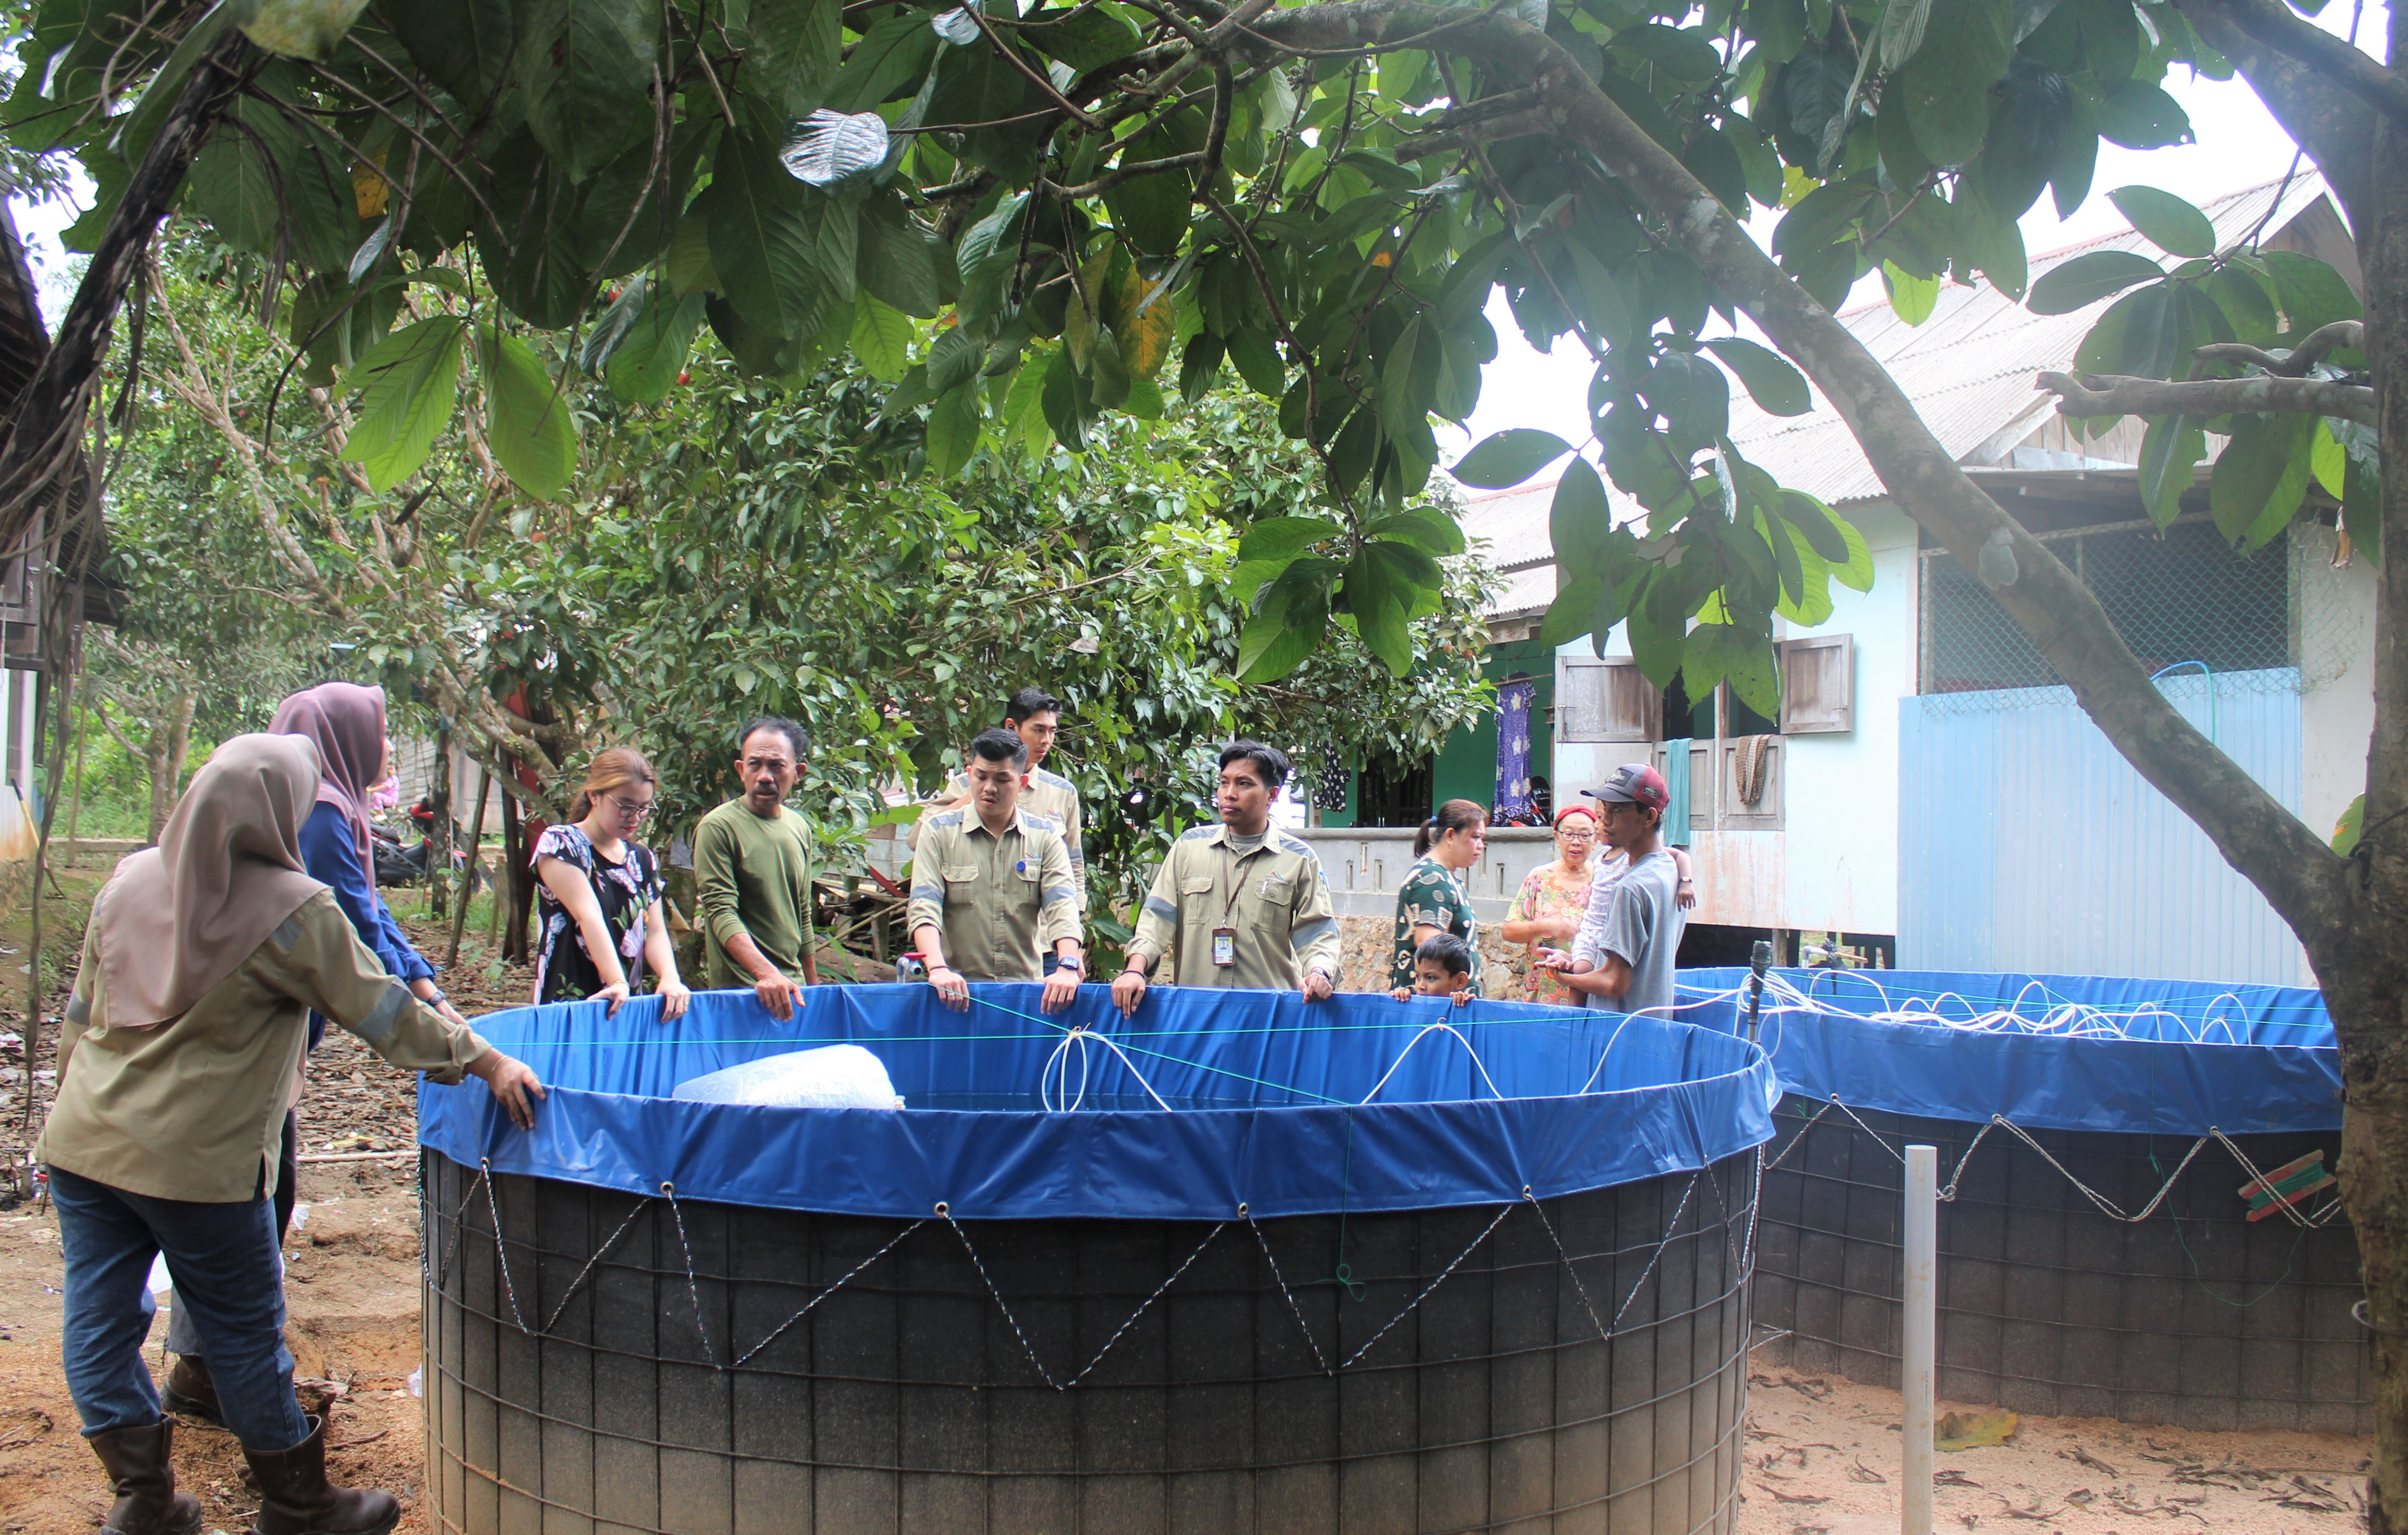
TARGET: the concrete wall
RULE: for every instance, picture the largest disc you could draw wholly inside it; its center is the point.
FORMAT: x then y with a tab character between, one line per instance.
2334	608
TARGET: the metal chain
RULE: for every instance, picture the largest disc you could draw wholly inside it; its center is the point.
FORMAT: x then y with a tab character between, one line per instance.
1289	1295
1447	1274
501	1255
1147	1301
571	1293
2106	1206
1578	1288
1671	1227
947	1215
849	1275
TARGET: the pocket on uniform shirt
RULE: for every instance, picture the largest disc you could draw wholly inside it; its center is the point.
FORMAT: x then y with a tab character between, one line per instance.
1198	885
960	874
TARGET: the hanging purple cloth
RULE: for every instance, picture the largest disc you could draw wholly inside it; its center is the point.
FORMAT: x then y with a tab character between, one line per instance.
1513	700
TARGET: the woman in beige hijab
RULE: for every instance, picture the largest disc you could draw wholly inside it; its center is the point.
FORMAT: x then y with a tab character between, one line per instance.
181	1052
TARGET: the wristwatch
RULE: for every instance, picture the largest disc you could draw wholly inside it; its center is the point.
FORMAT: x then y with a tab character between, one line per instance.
438	1000
1074	964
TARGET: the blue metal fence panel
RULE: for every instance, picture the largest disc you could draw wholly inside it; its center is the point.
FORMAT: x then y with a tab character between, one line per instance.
2026	844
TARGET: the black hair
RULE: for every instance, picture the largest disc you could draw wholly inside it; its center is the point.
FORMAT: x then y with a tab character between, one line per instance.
1028	702
798	740
1453	815
1446	951
1000	746
1270	761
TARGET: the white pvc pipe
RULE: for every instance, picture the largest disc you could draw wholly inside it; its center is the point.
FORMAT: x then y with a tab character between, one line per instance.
1922	1318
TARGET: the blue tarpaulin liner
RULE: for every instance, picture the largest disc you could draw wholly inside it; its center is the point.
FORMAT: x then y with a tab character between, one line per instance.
2082	1053
1266	1093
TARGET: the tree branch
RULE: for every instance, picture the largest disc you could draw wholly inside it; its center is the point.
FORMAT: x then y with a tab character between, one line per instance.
2113	394
50	415
2319	344
2296	39
2299	876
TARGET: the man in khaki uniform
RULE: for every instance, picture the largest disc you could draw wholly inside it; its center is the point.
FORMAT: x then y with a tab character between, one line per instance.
1035	715
1238	904
990	886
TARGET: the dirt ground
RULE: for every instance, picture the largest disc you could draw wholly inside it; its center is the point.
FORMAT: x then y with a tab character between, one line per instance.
1822	1453
1822	1460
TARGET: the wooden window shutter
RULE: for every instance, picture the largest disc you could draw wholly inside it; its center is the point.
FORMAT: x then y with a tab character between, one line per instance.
1605	701
1818	685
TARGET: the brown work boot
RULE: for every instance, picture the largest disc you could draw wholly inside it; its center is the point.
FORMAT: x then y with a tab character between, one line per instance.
295	1498
190	1392
144	1479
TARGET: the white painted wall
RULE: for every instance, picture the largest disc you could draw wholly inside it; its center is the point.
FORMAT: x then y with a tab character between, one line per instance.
2336	650
1834	866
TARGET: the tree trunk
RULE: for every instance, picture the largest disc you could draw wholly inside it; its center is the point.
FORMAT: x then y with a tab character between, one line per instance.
514	910
439	835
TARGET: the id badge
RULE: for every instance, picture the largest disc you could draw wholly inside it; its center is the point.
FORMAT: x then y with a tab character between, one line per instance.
1224	947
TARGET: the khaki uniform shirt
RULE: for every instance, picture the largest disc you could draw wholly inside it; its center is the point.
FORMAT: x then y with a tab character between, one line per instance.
193	1108
1276	896
1047	794
999	902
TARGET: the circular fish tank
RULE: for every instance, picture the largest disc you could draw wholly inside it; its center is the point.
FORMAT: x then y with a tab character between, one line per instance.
1239	1262
2138	1217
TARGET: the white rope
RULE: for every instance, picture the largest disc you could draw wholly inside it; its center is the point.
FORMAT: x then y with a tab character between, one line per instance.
1081	1036
1427	1030
2034	1010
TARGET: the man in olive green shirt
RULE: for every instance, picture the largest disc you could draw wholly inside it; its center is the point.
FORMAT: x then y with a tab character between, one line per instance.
1240	903
752	875
991	887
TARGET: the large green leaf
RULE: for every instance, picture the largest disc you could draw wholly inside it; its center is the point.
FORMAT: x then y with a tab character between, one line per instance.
2169	450
1771	380
587	65
2310	292
2167	221
764	248
1910	298
1946	88
908	267
791	58
954	423
2087	278
646	365
2261	478
1378	601
406	389
2140	115
881	338
526	419
1813	605
1510	457
265	186
302	29
1282	538
1580	520
892	55
465	44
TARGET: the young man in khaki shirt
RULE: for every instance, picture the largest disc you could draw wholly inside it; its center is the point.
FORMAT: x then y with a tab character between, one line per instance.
1240	903
1035	715
990	886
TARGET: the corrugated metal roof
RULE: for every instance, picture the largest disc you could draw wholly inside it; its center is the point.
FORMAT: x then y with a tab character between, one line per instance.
1970	368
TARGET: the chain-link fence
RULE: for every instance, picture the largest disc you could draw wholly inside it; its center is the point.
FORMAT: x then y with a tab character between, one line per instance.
2184	600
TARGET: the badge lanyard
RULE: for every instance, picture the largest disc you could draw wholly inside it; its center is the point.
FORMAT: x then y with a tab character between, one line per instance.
1225	937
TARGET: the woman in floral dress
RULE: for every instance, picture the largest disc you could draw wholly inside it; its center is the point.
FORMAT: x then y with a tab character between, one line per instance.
600	896
1432	899
1547	910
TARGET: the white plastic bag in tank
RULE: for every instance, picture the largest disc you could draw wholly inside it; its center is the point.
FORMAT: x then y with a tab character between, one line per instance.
835	1076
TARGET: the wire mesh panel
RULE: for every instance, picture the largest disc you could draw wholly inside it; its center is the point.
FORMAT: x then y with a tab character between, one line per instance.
2194	1317
600	1361
2181	599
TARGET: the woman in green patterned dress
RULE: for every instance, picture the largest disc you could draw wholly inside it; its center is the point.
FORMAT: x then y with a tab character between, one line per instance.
1432	900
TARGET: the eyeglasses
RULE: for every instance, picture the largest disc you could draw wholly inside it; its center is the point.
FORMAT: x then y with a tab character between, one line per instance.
631	811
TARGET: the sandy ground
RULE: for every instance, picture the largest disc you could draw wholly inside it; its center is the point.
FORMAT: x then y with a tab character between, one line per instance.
1822	1460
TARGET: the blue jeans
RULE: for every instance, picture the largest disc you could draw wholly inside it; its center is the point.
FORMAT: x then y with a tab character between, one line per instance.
224	1259
183	1334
